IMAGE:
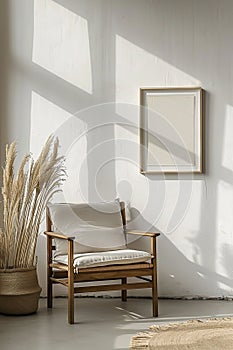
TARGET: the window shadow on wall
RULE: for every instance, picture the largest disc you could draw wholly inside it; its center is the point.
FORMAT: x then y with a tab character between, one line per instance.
154	27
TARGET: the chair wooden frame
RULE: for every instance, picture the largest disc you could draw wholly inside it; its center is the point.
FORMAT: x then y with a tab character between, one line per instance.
65	274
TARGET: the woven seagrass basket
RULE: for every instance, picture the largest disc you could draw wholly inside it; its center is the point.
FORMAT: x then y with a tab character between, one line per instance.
19	291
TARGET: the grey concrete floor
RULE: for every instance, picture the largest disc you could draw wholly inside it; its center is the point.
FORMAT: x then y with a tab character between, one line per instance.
102	324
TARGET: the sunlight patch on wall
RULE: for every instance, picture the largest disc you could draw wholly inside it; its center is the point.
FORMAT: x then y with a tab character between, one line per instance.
46	118
128	178
76	187
61	43
178	205
224	237
227	158
181	217
136	190
136	67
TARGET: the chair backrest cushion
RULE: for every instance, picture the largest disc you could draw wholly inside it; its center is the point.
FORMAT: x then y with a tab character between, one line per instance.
95	226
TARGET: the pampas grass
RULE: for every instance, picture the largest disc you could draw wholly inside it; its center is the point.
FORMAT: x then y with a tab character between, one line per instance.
25	197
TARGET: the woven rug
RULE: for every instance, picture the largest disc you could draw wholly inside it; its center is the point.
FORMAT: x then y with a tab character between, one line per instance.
212	334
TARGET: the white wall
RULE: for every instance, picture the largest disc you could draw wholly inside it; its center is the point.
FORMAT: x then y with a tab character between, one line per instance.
74	67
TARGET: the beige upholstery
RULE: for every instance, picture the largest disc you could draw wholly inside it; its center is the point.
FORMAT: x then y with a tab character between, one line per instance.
96	227
119	257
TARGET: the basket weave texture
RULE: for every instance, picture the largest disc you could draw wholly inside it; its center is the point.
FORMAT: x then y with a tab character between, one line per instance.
19	291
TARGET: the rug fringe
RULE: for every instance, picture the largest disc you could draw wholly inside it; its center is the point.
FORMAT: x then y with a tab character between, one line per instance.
175	324
142	339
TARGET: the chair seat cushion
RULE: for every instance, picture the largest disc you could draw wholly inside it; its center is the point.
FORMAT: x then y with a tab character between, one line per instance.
114	257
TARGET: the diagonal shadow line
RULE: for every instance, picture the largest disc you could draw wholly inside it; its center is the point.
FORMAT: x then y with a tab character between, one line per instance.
60	92
227	175
166	144
56	79
135	32
79	7
41	74
42	78
155	30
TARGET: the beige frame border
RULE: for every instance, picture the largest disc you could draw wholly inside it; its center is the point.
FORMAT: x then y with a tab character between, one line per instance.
201	126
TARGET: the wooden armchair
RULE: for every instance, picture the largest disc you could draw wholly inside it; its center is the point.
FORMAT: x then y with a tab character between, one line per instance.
73	266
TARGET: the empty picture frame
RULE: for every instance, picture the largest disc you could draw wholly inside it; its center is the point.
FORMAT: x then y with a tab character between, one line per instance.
171	130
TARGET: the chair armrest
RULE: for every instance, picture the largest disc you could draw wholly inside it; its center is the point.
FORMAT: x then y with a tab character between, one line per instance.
153	236
58	235
139	233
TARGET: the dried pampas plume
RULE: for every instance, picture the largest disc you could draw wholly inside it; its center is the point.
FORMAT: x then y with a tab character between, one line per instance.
25	197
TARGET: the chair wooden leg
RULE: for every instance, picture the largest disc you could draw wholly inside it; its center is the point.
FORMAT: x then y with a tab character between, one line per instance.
71	304
49	294
154	292
70	283
154	279
124	291
49	274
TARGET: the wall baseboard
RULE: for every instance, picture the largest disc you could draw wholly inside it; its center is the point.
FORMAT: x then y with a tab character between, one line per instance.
223	298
